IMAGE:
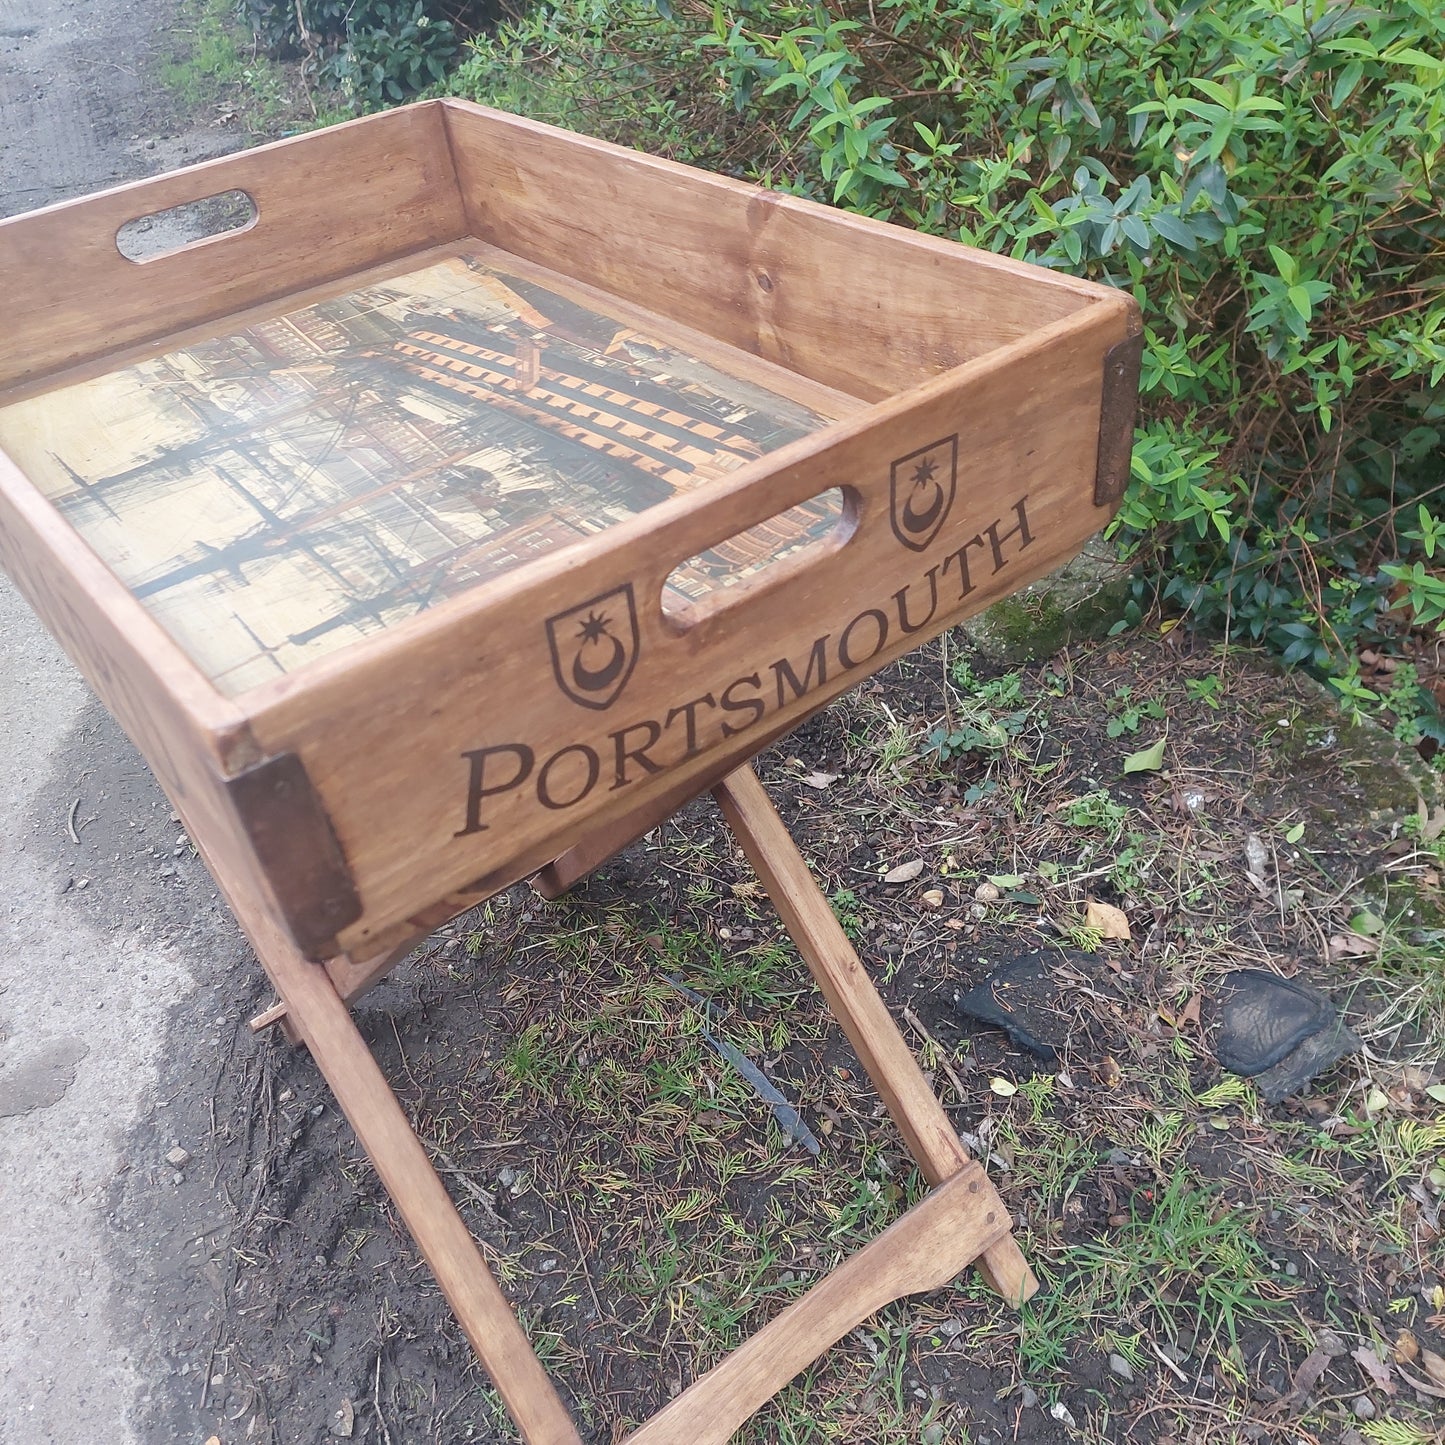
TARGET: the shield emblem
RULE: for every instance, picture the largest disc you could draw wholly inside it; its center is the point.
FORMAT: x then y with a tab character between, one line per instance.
921	493
594	647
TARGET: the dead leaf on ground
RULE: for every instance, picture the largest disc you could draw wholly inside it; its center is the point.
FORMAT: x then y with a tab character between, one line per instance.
1423	1387
1108	1073
1432	822
1352	945
1375	1368
821	780
932	899
1434	1365
1309	1374
1256	857
1189	1014
1109	921
904	872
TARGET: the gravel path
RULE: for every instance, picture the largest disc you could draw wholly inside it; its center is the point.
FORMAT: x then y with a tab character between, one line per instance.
100	939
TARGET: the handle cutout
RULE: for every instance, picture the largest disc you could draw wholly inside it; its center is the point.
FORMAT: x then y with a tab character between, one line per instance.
749	558
192	223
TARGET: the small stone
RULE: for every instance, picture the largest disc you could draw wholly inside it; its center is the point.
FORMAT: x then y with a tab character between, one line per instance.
548	1264
1121	1367
1028	1398
988	893
1292	1269
343	1420
1364	1407
178	1158
1331	1344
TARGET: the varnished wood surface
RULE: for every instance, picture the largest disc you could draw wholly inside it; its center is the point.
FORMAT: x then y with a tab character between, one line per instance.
328	204
864	307
855	1003
923	1250
388	728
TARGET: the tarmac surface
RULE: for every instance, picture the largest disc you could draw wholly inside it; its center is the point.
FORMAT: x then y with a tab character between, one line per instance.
110	932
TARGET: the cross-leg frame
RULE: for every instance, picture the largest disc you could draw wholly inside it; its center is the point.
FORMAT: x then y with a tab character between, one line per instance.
960	1221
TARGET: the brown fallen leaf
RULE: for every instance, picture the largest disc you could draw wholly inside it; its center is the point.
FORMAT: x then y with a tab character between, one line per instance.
1108	1073
904	872
1108	920
821	780
1309	1374
1434	1365
1352	945
1424	1387
933	898
1189	1014
1375	1368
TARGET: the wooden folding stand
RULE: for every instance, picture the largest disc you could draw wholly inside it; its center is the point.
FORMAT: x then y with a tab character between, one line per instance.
960	1221
489	494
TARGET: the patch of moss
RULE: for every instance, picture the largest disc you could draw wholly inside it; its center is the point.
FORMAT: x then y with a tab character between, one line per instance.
1339	769
1080	601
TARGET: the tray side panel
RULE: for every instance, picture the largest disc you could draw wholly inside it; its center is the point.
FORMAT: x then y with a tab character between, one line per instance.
191	737
498	730
327	204
867	308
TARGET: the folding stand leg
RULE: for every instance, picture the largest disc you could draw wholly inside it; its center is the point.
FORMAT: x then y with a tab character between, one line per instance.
324	1024
881	1049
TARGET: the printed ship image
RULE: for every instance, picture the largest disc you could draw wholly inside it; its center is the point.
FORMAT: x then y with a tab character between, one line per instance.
315	477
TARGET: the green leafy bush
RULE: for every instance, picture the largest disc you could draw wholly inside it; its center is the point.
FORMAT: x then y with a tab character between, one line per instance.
375	51
1266	177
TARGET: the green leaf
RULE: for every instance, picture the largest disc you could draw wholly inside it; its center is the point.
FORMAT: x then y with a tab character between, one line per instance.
1173	229
1146	760
1346	82
1299	298
1367	923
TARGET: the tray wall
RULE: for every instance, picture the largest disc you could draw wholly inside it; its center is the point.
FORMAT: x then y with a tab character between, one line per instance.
463	737
853	303
328	204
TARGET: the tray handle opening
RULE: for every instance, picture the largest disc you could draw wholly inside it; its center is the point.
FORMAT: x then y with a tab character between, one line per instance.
758	558
181	228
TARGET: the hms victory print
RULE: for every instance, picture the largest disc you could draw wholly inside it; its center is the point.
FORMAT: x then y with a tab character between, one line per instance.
312	478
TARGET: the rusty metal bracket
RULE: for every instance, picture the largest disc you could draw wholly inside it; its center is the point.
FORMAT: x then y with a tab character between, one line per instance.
1116	420
298	850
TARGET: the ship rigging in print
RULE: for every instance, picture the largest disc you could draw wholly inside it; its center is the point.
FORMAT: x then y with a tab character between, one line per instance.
312	478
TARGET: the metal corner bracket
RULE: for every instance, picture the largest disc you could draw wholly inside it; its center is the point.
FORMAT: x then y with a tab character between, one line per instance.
1116	419
298	851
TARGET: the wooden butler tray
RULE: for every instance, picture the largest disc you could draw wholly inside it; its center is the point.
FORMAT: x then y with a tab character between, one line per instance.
491	494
